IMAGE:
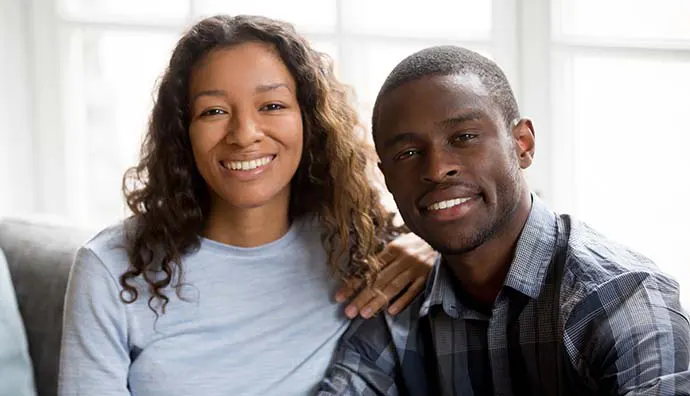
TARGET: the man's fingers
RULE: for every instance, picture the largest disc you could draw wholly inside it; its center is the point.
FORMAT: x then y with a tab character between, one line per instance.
388	292
403	301
344	293
390	252
348	290
353	309
374	306
404	260
390	272
366	295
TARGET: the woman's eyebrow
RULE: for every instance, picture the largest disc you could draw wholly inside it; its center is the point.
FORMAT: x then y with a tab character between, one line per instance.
270	87
210	92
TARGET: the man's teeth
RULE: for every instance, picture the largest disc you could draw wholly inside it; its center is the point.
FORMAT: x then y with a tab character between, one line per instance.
247	165
447	204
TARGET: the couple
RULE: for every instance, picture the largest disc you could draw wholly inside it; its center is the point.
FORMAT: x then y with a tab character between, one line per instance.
252	196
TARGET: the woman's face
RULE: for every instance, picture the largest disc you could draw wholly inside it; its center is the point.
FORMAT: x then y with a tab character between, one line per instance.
246	126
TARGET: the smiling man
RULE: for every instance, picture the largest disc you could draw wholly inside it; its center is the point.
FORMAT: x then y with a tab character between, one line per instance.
523	301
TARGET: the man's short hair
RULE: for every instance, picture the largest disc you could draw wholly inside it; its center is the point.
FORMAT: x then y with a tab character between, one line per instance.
449	60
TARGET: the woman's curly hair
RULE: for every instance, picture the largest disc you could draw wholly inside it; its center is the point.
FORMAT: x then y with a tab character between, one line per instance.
170	200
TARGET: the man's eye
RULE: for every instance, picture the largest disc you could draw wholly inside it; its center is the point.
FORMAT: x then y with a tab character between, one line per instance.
272	107
406	154
464	137
212	112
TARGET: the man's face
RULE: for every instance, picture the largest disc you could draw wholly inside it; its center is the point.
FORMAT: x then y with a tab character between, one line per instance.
450	161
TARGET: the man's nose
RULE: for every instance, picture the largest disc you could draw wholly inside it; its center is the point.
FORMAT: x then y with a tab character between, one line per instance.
439	167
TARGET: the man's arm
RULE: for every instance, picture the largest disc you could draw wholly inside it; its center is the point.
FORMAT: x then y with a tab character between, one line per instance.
634	337
365	363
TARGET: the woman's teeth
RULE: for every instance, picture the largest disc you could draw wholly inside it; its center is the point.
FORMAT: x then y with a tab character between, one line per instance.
247	165
447	204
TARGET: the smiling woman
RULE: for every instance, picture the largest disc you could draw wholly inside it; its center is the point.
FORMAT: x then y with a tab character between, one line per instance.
236	209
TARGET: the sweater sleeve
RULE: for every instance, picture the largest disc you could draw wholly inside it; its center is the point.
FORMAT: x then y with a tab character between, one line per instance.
94	357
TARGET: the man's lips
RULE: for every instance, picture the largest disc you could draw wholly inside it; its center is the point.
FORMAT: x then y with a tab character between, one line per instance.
446	204
446	198
453	209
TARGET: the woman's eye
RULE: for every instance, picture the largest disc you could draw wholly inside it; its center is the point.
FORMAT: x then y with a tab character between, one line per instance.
212	112
272	107
406	154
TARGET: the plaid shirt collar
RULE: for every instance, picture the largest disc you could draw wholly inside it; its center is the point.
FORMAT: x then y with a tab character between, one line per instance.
527	271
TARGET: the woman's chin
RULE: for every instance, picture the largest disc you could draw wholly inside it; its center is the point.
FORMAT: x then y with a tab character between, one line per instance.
273	200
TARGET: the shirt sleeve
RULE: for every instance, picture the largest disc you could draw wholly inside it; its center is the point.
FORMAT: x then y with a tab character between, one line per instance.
365	363
633	337
94	356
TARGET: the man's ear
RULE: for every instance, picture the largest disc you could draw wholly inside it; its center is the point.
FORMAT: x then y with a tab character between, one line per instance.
379	163
523	134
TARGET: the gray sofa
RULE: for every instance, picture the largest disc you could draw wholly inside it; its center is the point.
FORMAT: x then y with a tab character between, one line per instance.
39	256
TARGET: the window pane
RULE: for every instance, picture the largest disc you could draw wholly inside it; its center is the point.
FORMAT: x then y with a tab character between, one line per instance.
448	19
630	143
306	15
326	46
150	10
330	48
120	70
627	19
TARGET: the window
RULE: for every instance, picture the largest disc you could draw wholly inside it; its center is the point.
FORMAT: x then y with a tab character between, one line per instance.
605	82
620	112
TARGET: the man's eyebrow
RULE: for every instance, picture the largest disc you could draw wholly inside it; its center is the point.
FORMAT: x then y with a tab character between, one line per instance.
210	92
461	118
400	138
270	87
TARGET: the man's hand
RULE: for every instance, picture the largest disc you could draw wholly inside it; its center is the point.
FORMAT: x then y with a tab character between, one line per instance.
407	262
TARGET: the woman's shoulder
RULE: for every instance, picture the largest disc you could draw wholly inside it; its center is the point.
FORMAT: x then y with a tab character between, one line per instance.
109	247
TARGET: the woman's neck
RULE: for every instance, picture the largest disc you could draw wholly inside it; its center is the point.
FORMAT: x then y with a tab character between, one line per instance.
247	227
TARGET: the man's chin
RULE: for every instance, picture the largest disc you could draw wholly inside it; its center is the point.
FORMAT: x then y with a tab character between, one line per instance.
455	250
458	245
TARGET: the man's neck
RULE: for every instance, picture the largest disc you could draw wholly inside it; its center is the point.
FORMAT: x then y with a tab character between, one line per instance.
482	272
247	227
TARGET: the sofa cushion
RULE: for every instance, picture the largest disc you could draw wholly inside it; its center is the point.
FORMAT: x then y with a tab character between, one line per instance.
40	256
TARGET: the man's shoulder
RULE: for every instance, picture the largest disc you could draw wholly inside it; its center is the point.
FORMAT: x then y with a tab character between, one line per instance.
593	259
385	329
597	265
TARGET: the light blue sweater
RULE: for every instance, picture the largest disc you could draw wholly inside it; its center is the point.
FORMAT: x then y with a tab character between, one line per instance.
258	321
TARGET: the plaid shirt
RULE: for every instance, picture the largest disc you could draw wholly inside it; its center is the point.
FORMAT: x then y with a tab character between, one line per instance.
577	315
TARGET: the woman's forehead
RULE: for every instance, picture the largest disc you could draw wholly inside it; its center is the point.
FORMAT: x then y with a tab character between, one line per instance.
251	63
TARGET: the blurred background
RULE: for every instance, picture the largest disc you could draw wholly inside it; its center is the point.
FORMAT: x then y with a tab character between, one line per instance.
607	83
